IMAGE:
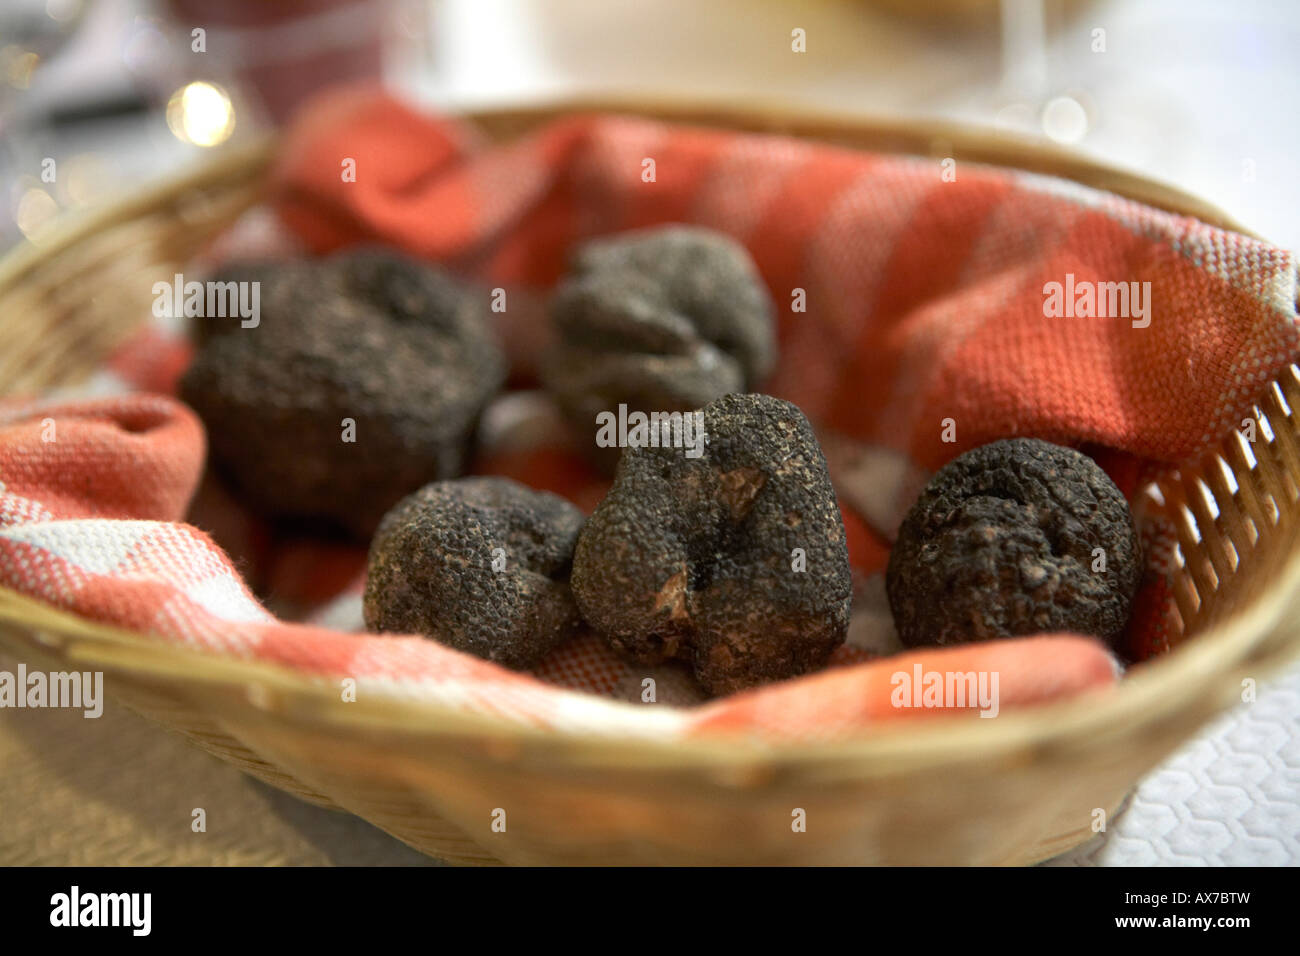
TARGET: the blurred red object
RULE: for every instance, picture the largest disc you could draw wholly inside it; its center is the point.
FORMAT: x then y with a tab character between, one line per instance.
288	50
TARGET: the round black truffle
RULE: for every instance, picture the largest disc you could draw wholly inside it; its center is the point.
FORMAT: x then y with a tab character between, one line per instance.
663	319
1012	538
362	381
479	564
735	562
279	292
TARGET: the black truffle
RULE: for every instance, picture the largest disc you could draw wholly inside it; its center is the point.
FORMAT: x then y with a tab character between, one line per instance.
1012	538
480	564
363	380
280	285
662	319
734	562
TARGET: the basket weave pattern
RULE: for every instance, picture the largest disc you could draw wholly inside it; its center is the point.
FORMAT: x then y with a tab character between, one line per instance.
432	777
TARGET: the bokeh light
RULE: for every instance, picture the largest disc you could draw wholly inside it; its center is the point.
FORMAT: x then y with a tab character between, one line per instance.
36	208
201	113
63	11
18	65
146	50
83	179
1065	120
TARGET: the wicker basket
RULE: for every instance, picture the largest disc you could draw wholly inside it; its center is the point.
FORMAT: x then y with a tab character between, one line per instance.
939	791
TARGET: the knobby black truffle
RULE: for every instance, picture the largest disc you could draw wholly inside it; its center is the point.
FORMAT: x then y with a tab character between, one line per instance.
480	564
1012	538
664	319
362	381
279	289
734	562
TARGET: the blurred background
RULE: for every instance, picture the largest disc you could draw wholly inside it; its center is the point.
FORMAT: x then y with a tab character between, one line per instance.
1199	93
117	95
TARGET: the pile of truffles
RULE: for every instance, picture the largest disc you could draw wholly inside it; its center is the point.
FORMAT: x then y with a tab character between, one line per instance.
1012	538
729	556
362	381
663	319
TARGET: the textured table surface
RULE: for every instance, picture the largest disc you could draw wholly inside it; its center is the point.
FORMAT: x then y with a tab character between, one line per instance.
121	790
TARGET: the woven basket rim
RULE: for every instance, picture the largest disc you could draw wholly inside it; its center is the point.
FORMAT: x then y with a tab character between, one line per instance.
1200	666
1155	688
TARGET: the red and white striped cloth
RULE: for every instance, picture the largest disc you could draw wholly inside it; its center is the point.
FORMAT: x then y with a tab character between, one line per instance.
924	303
